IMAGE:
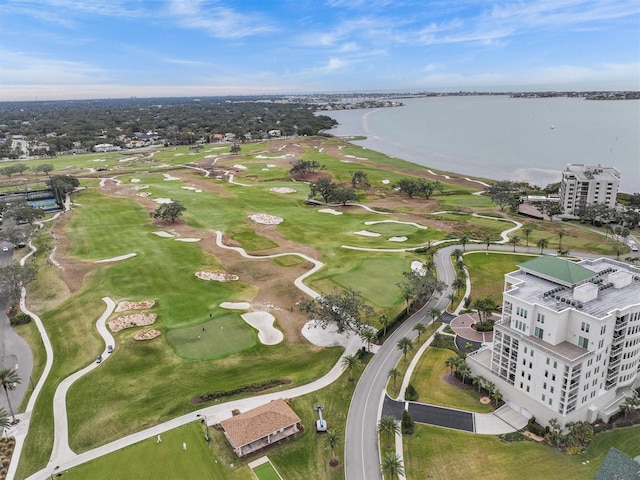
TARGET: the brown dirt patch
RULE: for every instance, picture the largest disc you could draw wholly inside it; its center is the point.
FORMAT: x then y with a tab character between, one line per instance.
135	320
216	276
146	334
126	305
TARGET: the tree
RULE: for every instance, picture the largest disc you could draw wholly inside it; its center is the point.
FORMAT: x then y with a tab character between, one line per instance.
407	185
406	345
629	405
542	244
527	232
235	148
61	185
360	178
9	379
13	277
392	465
344	309
452	363
419	328
384	321
479	382
496	396
343	195
388	428
333	438
368	334
485	307
561	234
407	424
515	241
349	362
459	283
23	213
418	288
4	419
463	370
410	393
487	240
555	431
435	313
393	373
169	212
463	241
45	168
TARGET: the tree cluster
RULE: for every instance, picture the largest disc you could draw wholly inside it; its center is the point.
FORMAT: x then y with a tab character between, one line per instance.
168	212
418	287
346	310
418	186
331	192
305	167
507	193
13	277
61	185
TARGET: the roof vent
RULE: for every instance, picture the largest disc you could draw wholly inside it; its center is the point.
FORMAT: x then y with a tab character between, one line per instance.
585	292
620	278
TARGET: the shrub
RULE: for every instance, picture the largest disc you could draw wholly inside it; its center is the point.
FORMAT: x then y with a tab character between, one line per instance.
484	327
20	319
444	341
411	393
407	424
535	428
513	437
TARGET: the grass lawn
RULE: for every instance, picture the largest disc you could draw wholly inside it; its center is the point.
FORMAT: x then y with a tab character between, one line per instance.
427	380
487	272
215	338
266	472
442	453
165	460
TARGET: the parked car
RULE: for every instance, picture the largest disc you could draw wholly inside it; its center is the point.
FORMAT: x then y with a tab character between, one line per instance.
99	359
5	249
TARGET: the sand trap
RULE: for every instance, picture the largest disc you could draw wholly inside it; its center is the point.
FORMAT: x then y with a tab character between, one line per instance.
127	321
135	180
116	259
330	211
418	267
163	200
286	155
178	154
324	337
385	182
146	334
417	225
163	234
366	233
143	305
264	169
271	165
398	239
140	187
99	160
217	276
188	239
235	306
189	188
239	167
169	178
144	194
282	190
263	322
266	219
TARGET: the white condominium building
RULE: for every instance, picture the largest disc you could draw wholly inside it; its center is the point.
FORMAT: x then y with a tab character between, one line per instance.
568	343
586	184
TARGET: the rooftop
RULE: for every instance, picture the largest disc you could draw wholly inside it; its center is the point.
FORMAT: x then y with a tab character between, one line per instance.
592	171
560	270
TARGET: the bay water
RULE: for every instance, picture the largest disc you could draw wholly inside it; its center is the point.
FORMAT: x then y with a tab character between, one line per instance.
503	138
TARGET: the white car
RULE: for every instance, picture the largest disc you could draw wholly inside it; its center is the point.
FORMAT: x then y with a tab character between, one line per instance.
5	249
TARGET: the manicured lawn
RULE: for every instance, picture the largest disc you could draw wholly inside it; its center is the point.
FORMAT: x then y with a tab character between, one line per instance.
215	338
428	380
266	472
165	460
487	272
441	453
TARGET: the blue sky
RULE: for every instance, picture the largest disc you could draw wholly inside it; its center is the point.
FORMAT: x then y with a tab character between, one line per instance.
68	49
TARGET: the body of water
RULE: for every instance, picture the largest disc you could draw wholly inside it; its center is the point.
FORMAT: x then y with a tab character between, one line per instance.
503	138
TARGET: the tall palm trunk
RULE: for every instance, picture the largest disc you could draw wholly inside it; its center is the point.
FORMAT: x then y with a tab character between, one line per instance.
6	392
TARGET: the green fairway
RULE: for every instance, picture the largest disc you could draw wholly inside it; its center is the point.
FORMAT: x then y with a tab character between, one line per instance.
266	472
215	338
487	272
166	460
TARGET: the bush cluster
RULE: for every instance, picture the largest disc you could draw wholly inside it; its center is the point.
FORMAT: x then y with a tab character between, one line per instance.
20	319
252	388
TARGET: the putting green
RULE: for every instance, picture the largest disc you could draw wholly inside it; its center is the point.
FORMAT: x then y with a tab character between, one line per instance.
266	472
392	229
215	338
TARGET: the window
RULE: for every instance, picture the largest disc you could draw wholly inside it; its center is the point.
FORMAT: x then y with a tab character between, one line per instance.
603	329
538	332
548	360
583	342
600	344
585	327
551	389
550	400
544	386
544	397
540	318
555	364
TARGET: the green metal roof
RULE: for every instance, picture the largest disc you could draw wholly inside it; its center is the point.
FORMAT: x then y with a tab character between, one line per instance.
564	271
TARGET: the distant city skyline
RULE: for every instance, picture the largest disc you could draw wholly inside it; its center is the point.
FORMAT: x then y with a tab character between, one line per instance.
75	49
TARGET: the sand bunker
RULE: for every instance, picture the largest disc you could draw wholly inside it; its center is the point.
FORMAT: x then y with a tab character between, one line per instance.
127	321
169	178
163	200
271	165
188	239
385	182
126	305
398	239
140	187
144	194
282	190
217	276
239	167
263	322
418	267
266	219
178	154
116	259
366	233
235	306
135	180
324	337
417	225
163	234
146	334
330	211
286	155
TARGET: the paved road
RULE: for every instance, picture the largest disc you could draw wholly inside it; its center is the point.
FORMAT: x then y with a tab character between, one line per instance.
430	414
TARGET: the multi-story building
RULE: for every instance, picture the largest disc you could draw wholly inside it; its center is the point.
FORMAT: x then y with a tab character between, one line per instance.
586	184
568	343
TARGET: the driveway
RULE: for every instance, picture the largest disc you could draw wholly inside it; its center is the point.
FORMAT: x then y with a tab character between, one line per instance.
431	415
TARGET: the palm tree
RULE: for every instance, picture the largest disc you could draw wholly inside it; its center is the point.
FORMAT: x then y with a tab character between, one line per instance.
463	369
420	328
384	321
435	313
9	379
392	465
459	283
406	345
4	419
332	437
561	234
388	428
479	382
463	241
368	335
457	254
452	362
515	240
496	396
350	361
487	240
394	373
527	231
542	244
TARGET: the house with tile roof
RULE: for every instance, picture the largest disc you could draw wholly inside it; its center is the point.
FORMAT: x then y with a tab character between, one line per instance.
256	429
